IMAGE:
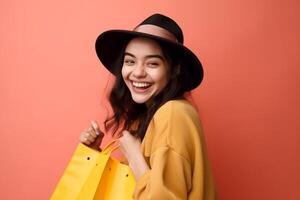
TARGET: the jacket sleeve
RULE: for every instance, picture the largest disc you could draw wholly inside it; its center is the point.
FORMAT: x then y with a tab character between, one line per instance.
168	178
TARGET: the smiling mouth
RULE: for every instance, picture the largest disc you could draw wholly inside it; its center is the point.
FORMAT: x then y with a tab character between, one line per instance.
140	86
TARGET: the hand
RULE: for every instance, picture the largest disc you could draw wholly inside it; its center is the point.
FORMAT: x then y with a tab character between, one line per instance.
129	145
131	148
92	136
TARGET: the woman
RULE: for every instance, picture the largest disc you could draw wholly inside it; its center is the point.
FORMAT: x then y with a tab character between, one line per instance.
161	135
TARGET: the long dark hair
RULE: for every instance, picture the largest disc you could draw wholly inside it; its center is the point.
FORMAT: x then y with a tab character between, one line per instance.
126	112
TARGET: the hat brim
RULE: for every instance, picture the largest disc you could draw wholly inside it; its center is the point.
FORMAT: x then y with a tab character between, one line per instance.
110	43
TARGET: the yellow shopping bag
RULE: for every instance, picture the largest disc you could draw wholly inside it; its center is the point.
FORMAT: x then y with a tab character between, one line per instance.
94	175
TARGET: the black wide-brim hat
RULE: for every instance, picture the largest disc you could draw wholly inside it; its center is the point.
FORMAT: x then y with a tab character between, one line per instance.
160	28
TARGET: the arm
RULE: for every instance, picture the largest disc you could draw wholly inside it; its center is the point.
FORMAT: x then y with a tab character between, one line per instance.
130	146
168	178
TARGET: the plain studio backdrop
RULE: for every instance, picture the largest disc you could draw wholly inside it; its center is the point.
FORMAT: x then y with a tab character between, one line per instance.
52	85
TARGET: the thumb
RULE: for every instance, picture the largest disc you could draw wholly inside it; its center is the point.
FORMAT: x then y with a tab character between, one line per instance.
96	144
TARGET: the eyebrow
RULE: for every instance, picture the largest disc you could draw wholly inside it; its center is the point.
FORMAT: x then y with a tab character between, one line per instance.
148	56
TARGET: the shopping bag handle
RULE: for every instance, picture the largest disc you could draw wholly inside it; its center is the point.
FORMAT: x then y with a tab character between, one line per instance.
111	146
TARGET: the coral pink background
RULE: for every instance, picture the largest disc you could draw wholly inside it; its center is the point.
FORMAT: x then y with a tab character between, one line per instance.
51	87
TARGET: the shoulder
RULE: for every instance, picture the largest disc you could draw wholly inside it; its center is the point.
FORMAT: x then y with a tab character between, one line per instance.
175	125
176	109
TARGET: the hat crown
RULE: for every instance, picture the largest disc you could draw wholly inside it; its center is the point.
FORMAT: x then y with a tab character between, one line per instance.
165	23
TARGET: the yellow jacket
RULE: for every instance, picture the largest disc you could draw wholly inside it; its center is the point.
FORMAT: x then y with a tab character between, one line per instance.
174	148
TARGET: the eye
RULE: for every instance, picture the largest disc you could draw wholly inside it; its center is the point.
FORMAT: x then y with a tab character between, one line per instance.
129	62
153	64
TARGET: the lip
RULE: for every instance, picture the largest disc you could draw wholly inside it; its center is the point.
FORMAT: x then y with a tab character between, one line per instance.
139	81
140	90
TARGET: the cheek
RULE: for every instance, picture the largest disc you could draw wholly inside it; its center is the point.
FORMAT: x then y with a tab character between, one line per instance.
124	72
160	77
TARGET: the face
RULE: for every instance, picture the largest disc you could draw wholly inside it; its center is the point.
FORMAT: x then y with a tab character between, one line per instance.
145	69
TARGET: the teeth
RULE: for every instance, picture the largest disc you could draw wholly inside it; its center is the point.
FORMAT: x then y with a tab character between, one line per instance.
140	84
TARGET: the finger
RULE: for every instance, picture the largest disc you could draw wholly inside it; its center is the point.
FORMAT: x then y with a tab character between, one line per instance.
89	137
92	132
83	139
96	127
82	136
87	142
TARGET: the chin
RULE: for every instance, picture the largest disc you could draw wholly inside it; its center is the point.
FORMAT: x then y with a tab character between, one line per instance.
139	100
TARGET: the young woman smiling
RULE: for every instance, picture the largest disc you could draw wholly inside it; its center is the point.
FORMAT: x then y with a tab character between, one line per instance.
161	135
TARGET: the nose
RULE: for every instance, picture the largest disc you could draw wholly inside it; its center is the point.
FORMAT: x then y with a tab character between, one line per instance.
139	71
